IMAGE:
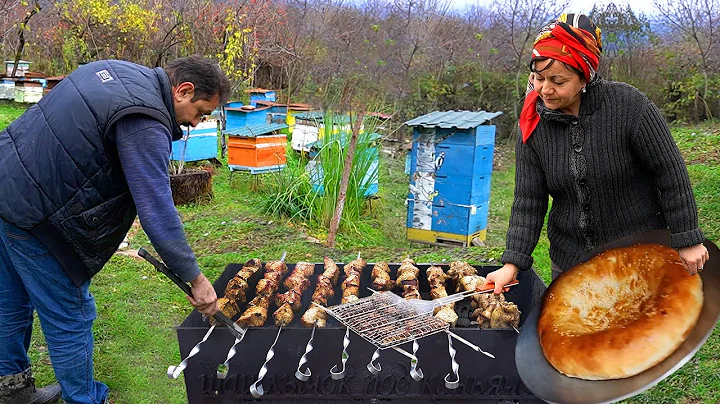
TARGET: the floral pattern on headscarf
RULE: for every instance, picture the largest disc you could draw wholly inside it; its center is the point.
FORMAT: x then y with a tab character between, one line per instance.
572	39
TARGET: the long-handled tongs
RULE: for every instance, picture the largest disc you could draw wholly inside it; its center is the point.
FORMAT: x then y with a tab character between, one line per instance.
219	316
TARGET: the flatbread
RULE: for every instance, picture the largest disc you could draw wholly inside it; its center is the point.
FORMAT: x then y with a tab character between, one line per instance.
620	313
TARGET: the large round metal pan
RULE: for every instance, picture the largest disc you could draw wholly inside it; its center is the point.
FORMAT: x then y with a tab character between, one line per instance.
548	384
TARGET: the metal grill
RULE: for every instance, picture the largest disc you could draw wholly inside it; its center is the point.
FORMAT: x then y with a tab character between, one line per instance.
387	320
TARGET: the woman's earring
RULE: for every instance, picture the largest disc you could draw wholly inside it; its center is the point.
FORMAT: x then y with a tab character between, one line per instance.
584	90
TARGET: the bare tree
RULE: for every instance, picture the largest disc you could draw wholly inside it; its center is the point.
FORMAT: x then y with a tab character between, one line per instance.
515	27
696	23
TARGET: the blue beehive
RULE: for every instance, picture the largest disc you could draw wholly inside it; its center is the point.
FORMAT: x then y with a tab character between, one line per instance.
200	144
260	94
450	174
237	117
370	178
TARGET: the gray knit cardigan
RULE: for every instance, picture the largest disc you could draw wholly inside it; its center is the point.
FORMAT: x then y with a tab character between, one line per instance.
612	171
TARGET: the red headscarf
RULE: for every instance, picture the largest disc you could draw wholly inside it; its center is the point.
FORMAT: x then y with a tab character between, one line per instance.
574	40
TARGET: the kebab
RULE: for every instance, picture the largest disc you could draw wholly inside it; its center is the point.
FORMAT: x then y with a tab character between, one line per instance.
436	278
290	302
407	278
458	270
381	277
323	292
257	311
316	316
493	311
351	284
236	289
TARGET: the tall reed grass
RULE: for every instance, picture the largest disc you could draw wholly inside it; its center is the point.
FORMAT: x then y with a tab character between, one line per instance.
307	189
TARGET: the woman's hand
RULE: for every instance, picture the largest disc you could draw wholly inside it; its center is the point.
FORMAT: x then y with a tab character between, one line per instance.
694	258
502	277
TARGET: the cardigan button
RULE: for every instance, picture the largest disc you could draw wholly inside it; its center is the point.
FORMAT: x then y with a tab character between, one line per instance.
582	181
575	122
577	148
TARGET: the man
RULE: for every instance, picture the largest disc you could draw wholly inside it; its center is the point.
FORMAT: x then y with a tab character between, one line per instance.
76	169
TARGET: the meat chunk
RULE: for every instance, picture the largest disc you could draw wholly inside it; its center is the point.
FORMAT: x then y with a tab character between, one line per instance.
314	315
283	315
381	277
331	270
254	316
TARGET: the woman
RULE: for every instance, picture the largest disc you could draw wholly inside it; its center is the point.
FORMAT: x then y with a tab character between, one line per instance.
603	152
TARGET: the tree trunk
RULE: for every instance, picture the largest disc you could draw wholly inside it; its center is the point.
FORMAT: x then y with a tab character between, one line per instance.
21	36
347	168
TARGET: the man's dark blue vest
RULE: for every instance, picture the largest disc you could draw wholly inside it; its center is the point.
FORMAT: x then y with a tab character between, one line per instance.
61	178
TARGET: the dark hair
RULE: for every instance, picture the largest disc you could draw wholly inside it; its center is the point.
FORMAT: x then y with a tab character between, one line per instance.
567	66
205	74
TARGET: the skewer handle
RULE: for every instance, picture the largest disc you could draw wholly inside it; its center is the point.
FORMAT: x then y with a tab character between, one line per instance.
300	375
452	384
337	375
256	389
372	367
415	372
173	372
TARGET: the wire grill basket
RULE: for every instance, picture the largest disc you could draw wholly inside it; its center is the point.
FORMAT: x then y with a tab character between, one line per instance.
387	320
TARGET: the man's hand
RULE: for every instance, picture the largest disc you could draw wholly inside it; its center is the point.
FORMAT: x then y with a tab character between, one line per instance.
694	258
204	298
502	277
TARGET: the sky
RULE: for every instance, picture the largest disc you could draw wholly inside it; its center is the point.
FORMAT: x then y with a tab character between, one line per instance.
644	6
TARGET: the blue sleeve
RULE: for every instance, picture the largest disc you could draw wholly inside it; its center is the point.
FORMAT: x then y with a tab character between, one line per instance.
144	147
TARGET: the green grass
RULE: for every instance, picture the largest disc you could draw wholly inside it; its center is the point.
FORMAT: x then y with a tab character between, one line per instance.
137	309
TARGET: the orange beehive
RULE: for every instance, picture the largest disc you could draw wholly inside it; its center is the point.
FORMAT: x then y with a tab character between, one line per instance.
259	151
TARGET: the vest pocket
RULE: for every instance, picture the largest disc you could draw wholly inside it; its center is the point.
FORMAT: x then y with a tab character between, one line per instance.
100	230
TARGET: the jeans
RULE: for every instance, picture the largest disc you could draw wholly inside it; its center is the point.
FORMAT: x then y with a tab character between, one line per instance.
32	279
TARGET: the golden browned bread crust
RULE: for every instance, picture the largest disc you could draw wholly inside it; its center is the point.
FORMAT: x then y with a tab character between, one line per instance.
620	313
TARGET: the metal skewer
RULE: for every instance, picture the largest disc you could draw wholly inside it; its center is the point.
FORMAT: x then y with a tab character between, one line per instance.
304	376
334	373
470	344
415	372
173	372
337	375
452	384
224	368
256	389
372	367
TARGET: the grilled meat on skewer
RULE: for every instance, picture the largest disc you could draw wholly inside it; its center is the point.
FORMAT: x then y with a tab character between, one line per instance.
459	269
266	286
323	292
331	270
493	311
470	282
381	277
407	278
227	307
351	285
236	289
356	265
289	302
256	313
314	316
238	286
283	315
436	279
301	274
